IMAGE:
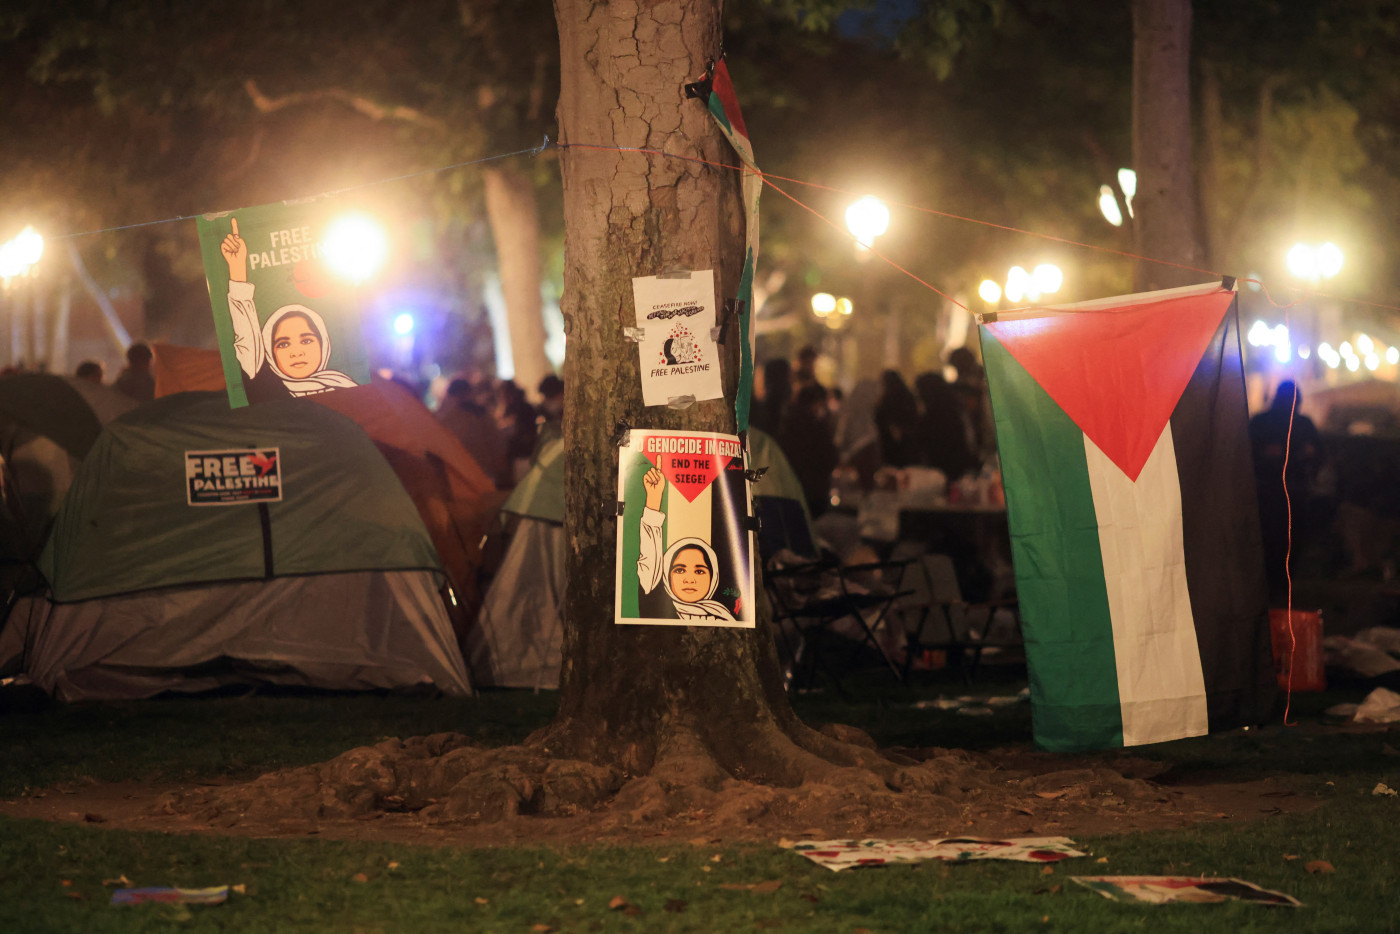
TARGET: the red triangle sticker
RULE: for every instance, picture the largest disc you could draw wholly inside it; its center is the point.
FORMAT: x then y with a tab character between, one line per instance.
1118	371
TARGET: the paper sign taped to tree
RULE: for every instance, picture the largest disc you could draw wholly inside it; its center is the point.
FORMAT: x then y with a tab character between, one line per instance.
679	359
287	324
228	478
684	545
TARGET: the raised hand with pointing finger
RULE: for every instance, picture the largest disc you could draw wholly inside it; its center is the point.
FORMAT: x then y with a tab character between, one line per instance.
235	252
655	483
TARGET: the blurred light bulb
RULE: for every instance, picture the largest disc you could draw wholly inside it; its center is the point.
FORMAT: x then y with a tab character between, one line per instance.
1329	260
1392	355
989	292
844	306
1303	352
1372	361
1364	343
1282	352
1302	261
1018	283
1108	206
1324	350
823	304
1346	349
1259	334
403	324
1048	278
1353	364
355	247
29	246
867	219
1127	180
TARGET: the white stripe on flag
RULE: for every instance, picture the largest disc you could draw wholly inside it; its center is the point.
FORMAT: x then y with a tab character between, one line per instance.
1161	689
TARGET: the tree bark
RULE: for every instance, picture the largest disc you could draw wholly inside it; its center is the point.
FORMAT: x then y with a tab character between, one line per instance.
650	698
515	225
1165	202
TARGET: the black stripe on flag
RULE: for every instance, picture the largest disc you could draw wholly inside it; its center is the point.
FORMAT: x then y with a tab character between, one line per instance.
1224	551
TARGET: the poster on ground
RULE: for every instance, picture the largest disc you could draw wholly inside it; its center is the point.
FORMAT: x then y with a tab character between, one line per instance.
837	855
1163	890
684	544
675	314
287	324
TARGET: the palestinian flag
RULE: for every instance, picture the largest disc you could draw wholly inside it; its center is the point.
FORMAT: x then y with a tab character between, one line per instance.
723	105
1123	433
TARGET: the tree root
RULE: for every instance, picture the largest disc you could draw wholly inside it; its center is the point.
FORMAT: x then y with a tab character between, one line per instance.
844	786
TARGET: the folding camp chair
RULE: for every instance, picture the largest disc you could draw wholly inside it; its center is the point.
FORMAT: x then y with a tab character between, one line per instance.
816	601
937	618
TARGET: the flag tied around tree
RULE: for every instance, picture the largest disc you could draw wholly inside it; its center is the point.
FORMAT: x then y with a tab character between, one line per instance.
1122	429
723	105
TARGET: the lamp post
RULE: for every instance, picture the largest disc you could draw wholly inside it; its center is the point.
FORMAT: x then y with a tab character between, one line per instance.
18	257
866	219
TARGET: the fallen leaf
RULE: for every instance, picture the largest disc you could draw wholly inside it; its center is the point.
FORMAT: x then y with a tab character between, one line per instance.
1055	889
578	901
78	895
1290	856
1048	871
481	901
541	927
1050	795
65	882
631	911
674	905
617	902
699	841
1101	859
92	818
1319	866
772	885
1385	790
360	877
810	898
393	865
786	844
1223	816
239	889
663	859
704	868
716	858
120	880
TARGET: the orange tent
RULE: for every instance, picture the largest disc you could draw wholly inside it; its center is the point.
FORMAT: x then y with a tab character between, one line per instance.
455	498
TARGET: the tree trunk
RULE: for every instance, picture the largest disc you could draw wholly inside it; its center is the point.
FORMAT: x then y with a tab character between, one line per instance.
659	699
1165	202
515	225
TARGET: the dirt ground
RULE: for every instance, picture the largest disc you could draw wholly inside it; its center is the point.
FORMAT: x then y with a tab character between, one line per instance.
1007	792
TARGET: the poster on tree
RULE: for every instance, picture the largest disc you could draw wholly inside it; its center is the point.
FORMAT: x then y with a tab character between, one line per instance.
287	321
684	544
675	314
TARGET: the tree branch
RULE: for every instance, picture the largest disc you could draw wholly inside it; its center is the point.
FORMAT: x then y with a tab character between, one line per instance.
355	102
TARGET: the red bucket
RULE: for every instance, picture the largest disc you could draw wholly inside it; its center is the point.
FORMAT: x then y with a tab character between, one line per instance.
1300	652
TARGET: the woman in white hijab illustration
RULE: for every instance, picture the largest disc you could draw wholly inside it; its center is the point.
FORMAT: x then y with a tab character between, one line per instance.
688	568
291	348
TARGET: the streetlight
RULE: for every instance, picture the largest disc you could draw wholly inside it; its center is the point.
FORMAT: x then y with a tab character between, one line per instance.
1314	262
20	254
1108	201
867	219
355	247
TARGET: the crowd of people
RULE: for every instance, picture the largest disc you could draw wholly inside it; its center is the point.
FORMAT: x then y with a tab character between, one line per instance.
497	424
827	435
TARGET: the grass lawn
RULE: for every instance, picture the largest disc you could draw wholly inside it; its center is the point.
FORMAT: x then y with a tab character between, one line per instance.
322	886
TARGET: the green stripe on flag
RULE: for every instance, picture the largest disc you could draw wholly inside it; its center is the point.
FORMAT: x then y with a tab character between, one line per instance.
1059	567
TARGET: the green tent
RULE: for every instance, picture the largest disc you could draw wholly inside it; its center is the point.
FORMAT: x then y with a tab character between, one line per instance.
334	585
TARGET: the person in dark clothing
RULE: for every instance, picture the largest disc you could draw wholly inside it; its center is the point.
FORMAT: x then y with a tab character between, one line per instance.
939	439
1269	436
136	381
551	409
808	440
895	417
768	412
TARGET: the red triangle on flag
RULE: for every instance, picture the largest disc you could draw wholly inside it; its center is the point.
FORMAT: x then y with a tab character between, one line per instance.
1118	371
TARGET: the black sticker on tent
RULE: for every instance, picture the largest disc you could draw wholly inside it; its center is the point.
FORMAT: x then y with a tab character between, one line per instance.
227	478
